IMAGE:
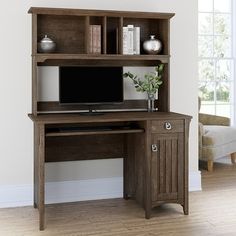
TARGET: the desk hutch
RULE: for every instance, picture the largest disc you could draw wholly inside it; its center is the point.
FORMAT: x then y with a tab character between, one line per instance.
154	145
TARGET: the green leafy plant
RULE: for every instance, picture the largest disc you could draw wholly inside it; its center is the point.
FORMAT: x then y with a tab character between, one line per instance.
151	81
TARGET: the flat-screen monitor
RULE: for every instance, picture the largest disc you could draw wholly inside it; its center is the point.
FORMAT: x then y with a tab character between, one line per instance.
90	85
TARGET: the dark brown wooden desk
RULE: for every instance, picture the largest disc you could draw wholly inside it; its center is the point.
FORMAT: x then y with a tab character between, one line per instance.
154	147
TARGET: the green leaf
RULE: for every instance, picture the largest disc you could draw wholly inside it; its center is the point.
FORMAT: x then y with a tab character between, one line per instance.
151	81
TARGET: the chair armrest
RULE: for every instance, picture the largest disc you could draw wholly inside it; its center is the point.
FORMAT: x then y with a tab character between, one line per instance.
207	119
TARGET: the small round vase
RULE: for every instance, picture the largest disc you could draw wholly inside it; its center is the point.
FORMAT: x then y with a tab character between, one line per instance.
46	45
152	46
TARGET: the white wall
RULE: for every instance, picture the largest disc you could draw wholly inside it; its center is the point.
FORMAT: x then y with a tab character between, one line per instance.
16	140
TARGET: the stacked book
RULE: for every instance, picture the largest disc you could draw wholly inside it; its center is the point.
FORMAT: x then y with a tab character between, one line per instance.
95	39
131	40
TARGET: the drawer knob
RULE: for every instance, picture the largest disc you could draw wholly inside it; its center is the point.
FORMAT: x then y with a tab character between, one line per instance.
154	148
168	126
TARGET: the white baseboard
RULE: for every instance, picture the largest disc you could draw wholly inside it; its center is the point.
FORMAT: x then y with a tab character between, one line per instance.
66	191
16	195
195	181
71	191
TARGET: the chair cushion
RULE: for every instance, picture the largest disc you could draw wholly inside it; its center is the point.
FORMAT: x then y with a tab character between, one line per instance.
215	135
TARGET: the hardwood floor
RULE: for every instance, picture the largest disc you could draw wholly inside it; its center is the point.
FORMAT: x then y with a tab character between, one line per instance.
212	212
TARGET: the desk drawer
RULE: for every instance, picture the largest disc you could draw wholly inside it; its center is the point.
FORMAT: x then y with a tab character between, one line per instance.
167	126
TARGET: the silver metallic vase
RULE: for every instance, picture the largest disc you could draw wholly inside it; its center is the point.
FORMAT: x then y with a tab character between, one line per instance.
152	45
46	45
151	102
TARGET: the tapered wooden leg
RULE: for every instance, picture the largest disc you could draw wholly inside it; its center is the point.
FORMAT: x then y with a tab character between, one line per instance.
41	176
186	195
233	158
148	213
210	166
185	208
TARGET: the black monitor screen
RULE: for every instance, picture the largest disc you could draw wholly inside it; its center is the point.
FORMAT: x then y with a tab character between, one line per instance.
90	85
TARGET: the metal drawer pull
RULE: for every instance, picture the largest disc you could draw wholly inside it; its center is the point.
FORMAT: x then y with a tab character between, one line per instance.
168	126
154	148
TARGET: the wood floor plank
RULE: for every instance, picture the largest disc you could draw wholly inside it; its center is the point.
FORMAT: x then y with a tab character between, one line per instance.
212	212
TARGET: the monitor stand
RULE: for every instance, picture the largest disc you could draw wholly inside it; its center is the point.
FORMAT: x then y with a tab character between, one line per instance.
91	112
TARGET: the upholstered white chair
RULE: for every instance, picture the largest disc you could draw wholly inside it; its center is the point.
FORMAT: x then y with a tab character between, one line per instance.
216	139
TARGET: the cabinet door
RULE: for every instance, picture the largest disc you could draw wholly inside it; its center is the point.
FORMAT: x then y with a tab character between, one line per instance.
167	167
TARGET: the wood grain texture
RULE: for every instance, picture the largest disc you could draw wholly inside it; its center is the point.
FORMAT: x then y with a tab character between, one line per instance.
41	176
182	176
34	34
36	166
112	37
186	166
233	158
210	165
139	151
90	147
104	35
160	126
131	168
67	31
162	28
69	28
48	107
147	170
107	117
82	133
167	171
85	12
163	102
213	213
149	189
87	34
120	35
109	59
34	85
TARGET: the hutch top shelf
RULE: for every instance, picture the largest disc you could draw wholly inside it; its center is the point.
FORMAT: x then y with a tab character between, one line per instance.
70	29
109	13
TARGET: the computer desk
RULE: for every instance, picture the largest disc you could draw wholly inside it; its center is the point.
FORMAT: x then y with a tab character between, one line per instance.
154	146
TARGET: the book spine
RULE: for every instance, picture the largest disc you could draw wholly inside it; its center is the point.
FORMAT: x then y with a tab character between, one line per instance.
97	39
137	40
125	40
130	39
94	39
90	39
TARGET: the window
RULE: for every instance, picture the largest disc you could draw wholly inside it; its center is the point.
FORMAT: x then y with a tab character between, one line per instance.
215	50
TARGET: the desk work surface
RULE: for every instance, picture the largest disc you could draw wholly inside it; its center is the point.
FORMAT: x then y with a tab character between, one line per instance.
106	117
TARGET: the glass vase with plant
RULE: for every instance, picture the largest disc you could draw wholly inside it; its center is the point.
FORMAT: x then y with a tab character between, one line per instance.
150	84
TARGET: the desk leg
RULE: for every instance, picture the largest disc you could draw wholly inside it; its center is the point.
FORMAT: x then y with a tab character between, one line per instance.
129	166
147	171
125	170
148	207
36	179
41	175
